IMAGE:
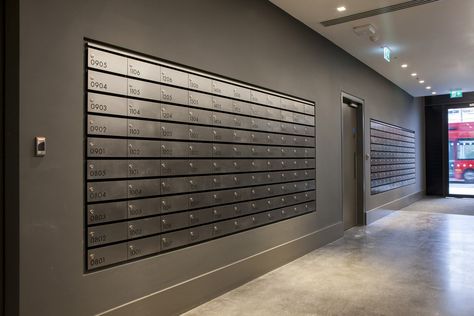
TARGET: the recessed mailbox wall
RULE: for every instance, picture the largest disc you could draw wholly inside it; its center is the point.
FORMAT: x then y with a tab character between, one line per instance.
177	157
392	157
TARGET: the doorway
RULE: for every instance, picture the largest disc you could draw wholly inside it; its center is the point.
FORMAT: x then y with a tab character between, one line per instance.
461	151
352	161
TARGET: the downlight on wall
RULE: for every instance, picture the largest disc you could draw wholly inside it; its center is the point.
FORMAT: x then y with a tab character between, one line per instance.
341	8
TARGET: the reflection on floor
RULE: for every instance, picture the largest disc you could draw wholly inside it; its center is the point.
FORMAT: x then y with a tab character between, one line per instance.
408	263
461	206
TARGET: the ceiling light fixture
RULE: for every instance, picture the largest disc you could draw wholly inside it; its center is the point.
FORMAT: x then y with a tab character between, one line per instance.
404	66
414	74
341	8
428	88
421	81
433	93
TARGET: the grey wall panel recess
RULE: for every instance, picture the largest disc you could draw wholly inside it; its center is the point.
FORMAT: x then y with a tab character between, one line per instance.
390	146
110	178
251	41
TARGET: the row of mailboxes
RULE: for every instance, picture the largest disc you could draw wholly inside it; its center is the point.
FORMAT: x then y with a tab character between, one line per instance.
384	141
138	148
175	157
387	135
123	189
392	186
113	169
99	125
136	248
391	130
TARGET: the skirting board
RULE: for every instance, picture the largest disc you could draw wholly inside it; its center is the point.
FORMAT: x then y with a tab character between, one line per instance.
387	209
205	287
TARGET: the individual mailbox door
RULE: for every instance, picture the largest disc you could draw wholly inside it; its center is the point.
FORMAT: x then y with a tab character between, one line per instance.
309	130
143	89
174	77
309	120
272	113
222	88
287	116
273	100
221	119
143	168
99	59
200	133
106	234
198	217
197	200
222	104
309	152
143	247
223	228
98	81
173	167
174	149
103	191
288	104
200	100
239	136
200	233
174	221
144	109
143	70
144	207
174	113
174	203
175	239
106	147
300	107
106	104
106	212
104	256
257	151
144	148
258	138
222	166
200	183
174	95
222	134
197	116
142	188
200	166
106	169
222	150
239	92
144	227
258	97
221	197
200	150
257	124
299	118
174	185
139	128
222	212
104	125
174	131
239	107
199	83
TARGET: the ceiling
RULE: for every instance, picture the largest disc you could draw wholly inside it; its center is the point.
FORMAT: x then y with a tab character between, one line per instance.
435	40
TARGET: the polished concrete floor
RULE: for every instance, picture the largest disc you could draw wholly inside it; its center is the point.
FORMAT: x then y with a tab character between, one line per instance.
450	205
408	263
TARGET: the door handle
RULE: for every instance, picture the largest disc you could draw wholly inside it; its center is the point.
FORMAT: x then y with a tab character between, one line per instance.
355	165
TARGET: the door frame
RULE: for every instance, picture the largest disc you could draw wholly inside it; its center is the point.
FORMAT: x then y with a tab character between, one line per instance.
445	152
361	182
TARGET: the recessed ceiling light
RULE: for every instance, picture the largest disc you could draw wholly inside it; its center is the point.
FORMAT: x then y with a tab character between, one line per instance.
421	81
341	8
434	92
414	74
428	87
404	66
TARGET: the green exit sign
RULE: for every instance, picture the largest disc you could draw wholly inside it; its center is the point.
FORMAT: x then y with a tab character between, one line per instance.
386	53
456	94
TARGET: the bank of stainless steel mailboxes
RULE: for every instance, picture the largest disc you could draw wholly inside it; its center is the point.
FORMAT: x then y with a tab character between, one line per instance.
176	157
393	157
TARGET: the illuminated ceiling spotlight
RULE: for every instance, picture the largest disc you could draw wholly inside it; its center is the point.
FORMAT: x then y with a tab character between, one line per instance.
414	74
341	8
421	81
404	66
428	88
433	93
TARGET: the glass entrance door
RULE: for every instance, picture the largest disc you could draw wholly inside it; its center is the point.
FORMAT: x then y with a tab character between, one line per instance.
461	151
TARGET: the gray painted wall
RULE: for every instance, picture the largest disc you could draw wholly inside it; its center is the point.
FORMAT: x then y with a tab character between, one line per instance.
252	41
